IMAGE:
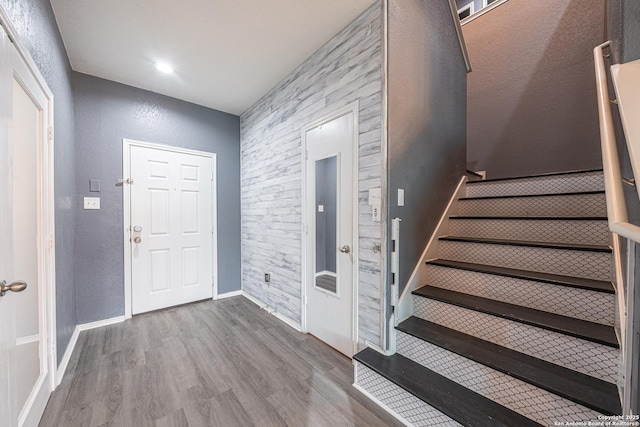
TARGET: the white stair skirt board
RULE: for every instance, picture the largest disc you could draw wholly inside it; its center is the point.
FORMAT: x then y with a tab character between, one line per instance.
271	310
590	358
64	362
526	399
397	401
561	205
564	262
418	277
590	232
550	184
582	304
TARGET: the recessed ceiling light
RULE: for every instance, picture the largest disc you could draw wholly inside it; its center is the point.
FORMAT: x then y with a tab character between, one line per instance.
164	67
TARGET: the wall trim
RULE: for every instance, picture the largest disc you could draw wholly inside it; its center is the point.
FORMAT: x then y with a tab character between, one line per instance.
405	308
64	362
273	311
227	295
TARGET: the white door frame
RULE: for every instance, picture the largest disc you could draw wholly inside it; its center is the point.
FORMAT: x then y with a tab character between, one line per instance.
46	218
353	109
126	170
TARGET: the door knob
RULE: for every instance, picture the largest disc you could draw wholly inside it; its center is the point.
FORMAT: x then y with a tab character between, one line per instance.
345	249
17	286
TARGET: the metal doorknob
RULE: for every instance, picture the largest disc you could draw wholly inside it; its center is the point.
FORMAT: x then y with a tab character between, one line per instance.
345	249
17	286
137	239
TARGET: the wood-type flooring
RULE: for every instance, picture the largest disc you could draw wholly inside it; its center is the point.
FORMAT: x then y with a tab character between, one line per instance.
215	363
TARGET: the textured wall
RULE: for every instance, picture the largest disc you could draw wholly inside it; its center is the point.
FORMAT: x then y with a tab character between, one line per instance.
427	117
347	68
38	31
107	112
531	97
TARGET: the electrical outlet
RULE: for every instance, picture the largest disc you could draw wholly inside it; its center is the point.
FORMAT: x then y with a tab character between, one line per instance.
267	277
92	203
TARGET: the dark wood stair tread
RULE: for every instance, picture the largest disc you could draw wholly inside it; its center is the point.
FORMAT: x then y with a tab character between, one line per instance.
583	389
549	245
555	279
528	196
536	218
589	331
454	400
542	175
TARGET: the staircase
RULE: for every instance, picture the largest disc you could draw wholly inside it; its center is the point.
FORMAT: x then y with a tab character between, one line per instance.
515	326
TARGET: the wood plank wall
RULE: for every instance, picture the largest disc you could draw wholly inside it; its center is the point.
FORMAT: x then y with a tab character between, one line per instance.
346	69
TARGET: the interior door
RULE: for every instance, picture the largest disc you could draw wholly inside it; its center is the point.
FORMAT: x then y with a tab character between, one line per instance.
27	380
171	228
330	219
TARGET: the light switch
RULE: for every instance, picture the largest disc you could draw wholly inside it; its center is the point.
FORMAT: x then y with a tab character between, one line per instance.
320	208
92	202
400	196
94	185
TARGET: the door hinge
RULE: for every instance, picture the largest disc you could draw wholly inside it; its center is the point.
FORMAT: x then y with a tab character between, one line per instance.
50	134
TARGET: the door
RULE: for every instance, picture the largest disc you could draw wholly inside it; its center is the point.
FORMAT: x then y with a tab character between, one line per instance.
172	233
330	201
25	252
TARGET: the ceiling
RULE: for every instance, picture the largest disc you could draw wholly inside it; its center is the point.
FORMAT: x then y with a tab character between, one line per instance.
226	54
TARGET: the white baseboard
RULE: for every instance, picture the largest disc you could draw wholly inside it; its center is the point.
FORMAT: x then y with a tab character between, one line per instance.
62	367
270	310
228	295
101	323
375	400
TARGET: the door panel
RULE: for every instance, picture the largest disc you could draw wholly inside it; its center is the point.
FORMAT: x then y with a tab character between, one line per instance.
26	376
172	204
330	219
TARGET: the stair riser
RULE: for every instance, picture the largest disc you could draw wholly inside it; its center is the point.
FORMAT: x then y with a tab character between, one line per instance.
571	183
586	264
590	358
588	232
574	205
526	399
578	303
403	403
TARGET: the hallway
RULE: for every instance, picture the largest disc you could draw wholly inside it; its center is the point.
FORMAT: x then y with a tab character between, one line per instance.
220	363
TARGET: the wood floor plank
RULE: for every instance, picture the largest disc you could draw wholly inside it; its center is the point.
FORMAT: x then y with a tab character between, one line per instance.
216	363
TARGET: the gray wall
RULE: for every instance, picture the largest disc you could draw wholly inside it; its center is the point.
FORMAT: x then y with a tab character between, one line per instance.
106	112
531	98
326	195
346	69
38	31
427	117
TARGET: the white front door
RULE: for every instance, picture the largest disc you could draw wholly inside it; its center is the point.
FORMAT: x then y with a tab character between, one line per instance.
330	252
26	226
171	235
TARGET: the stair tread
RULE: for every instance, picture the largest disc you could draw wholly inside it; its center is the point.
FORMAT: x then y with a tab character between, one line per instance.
574	282
525	196
456	401
542	175
583	329
588	391
539	218
550	245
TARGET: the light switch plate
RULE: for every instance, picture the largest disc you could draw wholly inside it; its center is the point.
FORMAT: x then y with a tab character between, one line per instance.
400	196
92	202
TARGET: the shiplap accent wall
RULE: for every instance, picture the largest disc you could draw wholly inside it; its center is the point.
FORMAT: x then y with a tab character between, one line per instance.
346	69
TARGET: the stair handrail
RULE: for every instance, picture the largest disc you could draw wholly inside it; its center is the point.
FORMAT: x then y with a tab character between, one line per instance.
616	206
